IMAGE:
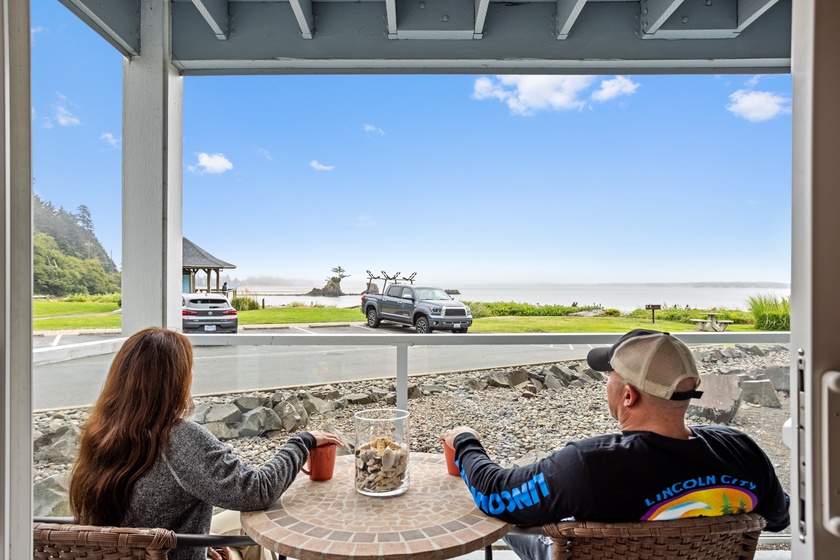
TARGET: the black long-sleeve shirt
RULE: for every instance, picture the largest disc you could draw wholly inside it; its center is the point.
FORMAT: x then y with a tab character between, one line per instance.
630	476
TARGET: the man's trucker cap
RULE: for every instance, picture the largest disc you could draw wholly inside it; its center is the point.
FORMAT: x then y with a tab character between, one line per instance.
652	361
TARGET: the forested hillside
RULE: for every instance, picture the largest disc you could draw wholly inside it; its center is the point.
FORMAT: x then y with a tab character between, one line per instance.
68	258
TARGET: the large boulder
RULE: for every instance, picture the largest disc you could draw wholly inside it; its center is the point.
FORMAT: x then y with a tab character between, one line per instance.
332	289
223	413
50	498
507	378
59	445
721	398
760	392
778	375
258	421
222	430
372	288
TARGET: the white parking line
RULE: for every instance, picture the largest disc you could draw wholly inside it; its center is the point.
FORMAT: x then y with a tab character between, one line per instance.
307	331
55	342
571	346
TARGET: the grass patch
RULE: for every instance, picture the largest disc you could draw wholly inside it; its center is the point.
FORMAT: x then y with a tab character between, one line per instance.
581	324
279	315
72	323
48	308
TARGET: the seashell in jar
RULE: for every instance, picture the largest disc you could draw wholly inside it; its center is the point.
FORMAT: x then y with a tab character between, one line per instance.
388	458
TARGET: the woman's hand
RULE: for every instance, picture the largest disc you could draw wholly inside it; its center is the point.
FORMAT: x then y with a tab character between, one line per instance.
323	438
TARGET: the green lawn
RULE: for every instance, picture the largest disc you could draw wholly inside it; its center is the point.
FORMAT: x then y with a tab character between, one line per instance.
113	321
296	315
580	324
280	315
46	308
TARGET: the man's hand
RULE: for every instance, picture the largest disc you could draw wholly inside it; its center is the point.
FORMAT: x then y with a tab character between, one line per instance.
218	553
448	437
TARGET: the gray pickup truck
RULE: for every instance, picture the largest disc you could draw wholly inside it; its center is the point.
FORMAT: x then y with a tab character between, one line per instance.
425	307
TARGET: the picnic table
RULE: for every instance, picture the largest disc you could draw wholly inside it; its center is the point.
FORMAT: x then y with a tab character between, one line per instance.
712	322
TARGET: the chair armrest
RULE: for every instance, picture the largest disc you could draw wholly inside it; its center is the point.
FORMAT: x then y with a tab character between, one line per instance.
185	540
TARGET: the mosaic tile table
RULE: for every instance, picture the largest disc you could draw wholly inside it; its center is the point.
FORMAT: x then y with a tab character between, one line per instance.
435	519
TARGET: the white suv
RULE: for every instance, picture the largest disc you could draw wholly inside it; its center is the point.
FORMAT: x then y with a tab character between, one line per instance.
203	313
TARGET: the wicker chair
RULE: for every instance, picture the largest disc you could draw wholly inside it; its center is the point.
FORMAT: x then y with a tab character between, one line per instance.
729	537
69	542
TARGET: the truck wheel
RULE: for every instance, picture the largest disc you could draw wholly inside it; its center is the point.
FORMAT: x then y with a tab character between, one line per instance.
459	330
421	325
372	318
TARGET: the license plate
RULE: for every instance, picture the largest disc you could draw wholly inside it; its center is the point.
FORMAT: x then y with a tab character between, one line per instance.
208	328
456	326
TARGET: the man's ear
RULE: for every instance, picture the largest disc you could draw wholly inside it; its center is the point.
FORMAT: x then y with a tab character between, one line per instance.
630	396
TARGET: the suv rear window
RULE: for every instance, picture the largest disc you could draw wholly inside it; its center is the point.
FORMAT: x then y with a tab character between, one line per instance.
206	301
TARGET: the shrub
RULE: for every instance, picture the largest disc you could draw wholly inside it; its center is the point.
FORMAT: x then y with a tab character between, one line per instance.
682	315
114	297
244	304
481	309
612	312
770	312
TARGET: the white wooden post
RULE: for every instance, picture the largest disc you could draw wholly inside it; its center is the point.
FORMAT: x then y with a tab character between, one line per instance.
815	307
152	180
16	283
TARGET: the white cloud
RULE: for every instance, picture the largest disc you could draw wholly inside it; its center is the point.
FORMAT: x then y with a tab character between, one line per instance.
211	163
757	106
615	87
526	95
364	222
753	80
110	139
265	153
320	166
370	129
61	115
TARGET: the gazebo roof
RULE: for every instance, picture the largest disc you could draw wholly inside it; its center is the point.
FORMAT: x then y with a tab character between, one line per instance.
196	257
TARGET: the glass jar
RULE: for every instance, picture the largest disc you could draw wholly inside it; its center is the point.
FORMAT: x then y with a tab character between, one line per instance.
381	451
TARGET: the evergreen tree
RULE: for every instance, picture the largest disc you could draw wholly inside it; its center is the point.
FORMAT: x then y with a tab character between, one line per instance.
67	256
727	506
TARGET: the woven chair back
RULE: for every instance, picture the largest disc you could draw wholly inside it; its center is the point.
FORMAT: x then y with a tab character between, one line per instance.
71	542
728	537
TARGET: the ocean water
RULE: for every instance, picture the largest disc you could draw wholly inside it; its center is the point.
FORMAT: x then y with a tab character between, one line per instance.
625	297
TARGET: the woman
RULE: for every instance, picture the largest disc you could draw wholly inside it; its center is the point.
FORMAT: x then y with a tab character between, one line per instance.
141	463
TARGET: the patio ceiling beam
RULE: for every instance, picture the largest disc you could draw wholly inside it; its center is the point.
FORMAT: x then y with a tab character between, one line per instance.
567	13
305	19
117	21
391	17
215	13
353	37
750	10
481	7
435	19
654	13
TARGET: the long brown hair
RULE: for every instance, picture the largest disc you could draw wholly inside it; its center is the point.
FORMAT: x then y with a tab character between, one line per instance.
146	392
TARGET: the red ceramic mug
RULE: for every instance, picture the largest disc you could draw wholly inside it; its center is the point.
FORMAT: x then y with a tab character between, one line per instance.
451	467
321	462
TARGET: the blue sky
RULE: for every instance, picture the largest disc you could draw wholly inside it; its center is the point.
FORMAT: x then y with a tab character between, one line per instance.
464	178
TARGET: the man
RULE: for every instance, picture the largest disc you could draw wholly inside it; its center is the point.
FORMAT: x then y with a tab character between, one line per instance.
657	468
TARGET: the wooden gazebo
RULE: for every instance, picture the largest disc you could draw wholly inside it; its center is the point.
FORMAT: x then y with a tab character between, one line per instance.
195	259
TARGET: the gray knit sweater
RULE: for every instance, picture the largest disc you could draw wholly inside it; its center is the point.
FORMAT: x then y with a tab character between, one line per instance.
199	472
